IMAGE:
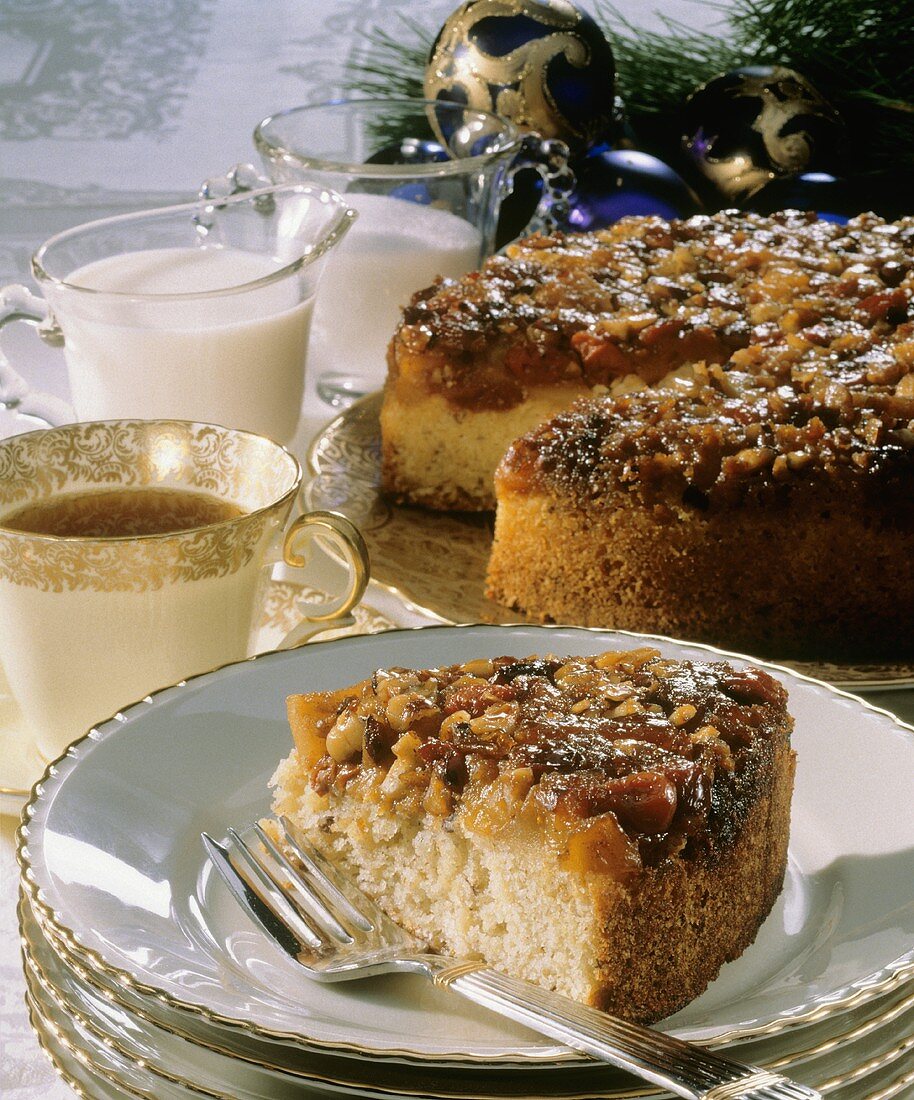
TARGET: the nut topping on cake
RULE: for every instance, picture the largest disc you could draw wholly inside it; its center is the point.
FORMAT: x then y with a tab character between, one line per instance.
782	348
786	297
662	750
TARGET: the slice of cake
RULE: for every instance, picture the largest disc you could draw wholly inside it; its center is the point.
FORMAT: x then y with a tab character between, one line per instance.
612	827
479	361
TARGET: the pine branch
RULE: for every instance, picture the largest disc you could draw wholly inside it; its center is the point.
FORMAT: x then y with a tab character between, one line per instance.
657	71
858	53
392	64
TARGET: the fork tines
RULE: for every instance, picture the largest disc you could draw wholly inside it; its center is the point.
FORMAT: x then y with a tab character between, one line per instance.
297	896
325	922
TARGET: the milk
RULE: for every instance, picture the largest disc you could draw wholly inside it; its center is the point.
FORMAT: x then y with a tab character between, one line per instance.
395	248
236	358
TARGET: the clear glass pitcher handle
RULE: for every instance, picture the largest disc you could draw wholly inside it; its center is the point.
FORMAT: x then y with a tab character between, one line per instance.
18	303
347	543
550	157
237	180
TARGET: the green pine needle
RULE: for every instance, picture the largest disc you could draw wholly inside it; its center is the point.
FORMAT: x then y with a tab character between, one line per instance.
858	53
392	65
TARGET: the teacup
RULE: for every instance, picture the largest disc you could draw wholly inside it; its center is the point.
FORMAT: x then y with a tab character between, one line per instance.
133	554
193	312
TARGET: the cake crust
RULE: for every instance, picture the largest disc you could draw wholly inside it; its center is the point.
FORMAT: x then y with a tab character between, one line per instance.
613	827
656	514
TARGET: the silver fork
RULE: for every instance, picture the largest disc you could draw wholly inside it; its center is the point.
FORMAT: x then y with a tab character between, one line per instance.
335	932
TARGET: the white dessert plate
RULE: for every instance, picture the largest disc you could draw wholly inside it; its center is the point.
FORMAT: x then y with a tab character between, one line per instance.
95	1072
438	560
113	865
77	1071
233	1065
153	1065
21	765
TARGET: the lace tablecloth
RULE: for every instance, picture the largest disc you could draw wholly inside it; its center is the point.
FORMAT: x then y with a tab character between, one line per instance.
24	1072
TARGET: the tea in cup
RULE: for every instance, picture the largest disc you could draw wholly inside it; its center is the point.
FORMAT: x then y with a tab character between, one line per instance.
134	554
193	312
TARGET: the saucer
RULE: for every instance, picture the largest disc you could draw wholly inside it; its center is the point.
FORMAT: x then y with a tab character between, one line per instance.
284	607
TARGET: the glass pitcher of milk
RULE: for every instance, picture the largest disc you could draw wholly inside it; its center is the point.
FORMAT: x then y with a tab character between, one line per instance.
427	202
194	312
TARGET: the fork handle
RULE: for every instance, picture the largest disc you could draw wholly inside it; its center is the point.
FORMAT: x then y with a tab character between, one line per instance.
683	1068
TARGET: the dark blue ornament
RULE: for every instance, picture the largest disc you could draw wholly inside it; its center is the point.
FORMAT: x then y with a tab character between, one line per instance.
543	64
409	150
748	127
832	198
614	183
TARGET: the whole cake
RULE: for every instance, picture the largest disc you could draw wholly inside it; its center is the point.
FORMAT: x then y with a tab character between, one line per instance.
612	827
765	503
803	307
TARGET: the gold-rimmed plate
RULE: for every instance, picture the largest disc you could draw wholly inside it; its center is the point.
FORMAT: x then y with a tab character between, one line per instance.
437	560
75	1068
122	880
834	1051
96	1071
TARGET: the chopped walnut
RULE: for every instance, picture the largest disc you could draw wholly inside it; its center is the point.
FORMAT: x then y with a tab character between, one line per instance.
627	737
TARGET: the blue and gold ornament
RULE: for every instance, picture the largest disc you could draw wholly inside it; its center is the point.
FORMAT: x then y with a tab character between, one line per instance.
749	127
544	64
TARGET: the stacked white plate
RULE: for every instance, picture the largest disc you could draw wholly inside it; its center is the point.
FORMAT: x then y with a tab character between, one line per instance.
146	979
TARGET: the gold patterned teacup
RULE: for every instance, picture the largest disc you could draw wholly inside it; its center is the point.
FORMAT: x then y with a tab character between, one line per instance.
133	554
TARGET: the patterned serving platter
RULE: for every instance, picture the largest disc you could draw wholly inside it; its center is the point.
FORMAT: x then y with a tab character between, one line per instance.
437	560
